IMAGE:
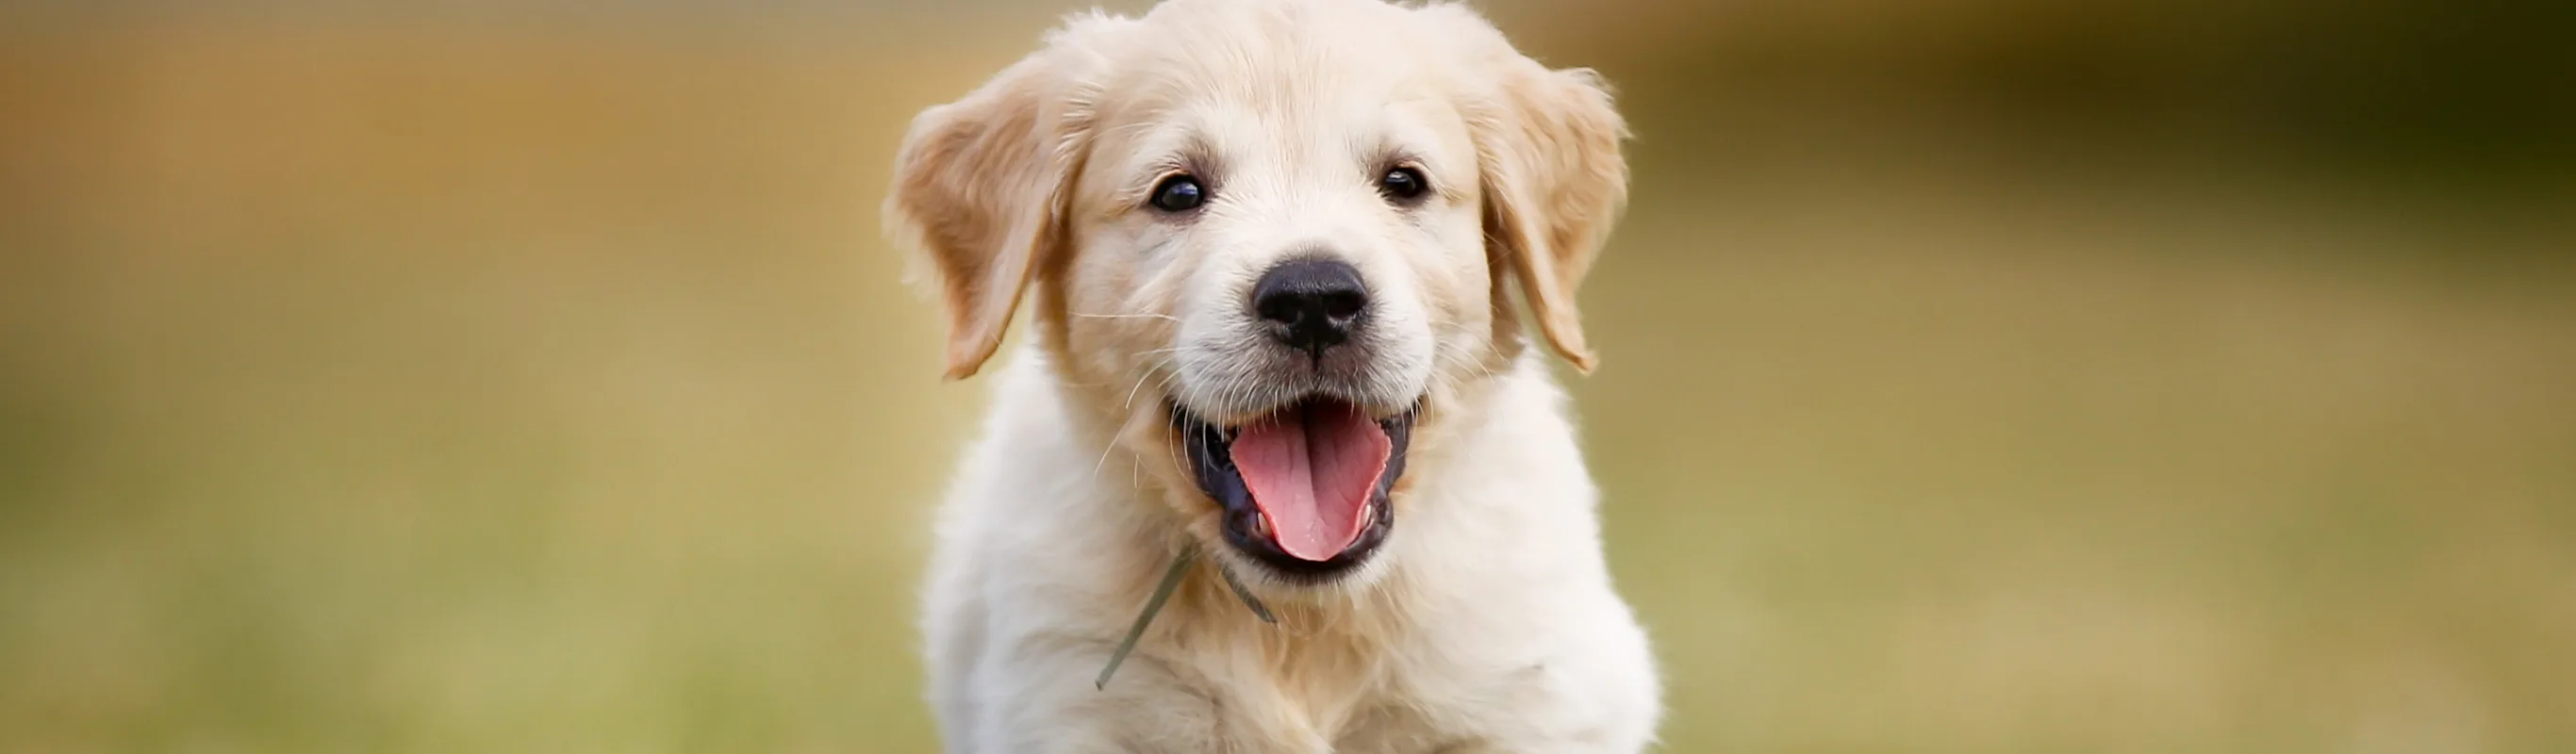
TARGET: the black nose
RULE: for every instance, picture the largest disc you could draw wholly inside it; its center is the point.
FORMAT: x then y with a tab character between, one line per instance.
1311	304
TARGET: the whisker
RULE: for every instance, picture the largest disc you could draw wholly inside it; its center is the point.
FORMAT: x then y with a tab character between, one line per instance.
1138	315
1111	445
1131	390
1180	463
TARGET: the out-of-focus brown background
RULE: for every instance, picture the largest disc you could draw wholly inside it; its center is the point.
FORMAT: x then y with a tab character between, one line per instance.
1980	375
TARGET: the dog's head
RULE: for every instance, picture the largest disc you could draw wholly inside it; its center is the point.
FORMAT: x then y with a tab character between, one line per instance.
1268	243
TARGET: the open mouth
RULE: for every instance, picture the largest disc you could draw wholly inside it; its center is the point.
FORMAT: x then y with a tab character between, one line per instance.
1304	489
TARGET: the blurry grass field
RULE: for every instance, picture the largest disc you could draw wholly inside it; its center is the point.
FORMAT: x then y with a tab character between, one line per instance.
424	392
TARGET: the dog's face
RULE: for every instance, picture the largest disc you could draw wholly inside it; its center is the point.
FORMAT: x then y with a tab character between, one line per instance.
1268	243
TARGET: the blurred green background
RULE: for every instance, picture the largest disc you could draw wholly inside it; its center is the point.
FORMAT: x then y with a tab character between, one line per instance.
1979	375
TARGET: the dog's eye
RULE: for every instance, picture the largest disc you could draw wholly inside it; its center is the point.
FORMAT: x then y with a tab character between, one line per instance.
1403	184
1180	193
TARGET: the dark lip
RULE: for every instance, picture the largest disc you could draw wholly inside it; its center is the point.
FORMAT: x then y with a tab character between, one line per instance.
1212	462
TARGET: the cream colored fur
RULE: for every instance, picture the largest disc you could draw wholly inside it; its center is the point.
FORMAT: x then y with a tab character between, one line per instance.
1487	622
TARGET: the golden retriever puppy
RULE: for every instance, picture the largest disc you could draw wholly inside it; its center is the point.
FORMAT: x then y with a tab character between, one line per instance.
1275	375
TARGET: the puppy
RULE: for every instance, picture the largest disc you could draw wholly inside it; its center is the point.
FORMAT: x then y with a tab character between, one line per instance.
1271	248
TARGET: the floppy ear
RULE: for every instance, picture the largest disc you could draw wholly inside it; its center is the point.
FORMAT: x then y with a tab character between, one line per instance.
980	186
1554	181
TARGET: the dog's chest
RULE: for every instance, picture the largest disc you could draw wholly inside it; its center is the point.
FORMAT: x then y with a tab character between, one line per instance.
1407	728
1369	723
1338	695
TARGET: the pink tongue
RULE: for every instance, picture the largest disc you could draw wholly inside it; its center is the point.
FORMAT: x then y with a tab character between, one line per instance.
1311	471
